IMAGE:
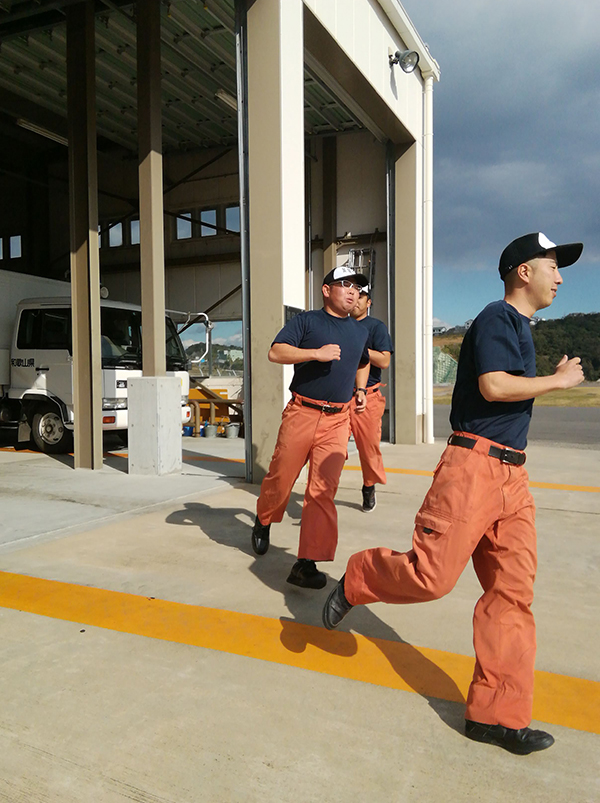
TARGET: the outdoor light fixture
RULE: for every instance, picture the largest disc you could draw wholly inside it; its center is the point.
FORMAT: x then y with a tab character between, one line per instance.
407	59
43	132
226	98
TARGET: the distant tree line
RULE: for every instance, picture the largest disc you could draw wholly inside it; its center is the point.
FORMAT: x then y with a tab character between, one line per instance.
195	350
220	354
576	335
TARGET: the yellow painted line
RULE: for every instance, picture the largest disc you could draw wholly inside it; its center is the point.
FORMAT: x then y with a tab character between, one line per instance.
415	471
554	486
559	699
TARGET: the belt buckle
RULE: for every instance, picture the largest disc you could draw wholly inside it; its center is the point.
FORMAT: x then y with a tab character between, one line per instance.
328	409
506	453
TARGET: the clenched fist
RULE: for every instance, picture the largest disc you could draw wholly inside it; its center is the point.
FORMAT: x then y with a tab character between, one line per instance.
570	372
328	353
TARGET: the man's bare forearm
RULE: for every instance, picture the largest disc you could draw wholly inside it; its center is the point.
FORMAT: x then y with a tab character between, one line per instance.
503	387
284	354
380	359
362	376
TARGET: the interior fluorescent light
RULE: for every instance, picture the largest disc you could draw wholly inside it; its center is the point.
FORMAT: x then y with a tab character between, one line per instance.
43	132
226	98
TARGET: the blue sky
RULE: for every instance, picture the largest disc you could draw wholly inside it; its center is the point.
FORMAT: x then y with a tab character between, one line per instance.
227	333
516	145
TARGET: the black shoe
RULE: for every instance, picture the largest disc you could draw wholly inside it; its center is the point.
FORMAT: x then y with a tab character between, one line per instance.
260	537
305	574
369	499
336	607
522	741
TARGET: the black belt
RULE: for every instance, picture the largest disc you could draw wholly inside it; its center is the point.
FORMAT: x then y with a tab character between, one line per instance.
505	455
324	408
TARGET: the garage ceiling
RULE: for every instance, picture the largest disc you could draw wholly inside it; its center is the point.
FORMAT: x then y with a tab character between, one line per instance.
198	61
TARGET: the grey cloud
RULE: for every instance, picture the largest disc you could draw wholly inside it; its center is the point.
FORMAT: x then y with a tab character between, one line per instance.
515	123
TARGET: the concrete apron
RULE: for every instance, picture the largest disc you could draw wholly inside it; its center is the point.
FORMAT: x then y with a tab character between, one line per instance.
95	711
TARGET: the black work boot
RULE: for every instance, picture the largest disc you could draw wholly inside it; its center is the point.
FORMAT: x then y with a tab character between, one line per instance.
521	741
306	575
369	498
260	537
336	607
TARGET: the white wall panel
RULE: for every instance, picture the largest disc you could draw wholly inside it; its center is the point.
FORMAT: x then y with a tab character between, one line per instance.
343	20
363	31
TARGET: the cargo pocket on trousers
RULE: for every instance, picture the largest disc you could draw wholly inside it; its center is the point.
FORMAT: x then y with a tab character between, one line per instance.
430	524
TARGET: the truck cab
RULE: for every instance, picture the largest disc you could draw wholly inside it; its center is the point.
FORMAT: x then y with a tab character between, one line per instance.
41	367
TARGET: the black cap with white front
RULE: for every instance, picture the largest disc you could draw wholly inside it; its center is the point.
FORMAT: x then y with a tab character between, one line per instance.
349	274
537	244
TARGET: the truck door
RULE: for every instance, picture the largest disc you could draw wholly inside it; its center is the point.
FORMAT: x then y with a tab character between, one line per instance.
42	359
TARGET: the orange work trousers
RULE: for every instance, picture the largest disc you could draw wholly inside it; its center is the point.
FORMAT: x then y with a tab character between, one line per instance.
477	507
366	428
321	439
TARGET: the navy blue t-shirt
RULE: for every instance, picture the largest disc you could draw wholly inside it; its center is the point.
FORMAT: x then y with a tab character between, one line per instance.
326	381
379	340
499	339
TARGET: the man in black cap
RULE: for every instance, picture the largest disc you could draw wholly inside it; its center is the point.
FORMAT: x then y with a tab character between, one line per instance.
479	505
328	351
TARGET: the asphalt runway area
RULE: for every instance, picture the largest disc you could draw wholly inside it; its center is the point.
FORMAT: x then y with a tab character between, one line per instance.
578	427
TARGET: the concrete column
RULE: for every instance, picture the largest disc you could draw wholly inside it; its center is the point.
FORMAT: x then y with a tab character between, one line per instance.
154	399
152	246
276	205
408	302
83	212
155	444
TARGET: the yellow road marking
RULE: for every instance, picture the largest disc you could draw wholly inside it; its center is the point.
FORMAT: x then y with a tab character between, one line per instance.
417	472
559	699
553	486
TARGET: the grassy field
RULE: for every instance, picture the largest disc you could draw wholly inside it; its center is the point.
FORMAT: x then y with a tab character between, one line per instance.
586	395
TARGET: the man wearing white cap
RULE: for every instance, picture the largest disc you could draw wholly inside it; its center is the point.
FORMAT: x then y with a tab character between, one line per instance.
366	425
328	351
479	505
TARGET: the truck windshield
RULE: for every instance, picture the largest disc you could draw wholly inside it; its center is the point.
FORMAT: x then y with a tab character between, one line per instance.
122	340
121	337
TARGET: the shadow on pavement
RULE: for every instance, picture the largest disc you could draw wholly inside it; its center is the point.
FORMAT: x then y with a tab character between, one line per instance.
304	626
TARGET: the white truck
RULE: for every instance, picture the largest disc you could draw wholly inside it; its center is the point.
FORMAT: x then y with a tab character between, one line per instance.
36	361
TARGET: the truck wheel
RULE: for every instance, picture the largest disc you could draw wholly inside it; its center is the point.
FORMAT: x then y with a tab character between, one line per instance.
49	432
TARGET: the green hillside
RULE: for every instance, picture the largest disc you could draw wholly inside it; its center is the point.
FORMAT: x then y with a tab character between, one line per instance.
576	335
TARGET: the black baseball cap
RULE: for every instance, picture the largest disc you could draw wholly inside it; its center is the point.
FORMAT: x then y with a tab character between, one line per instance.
537	244
344	272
